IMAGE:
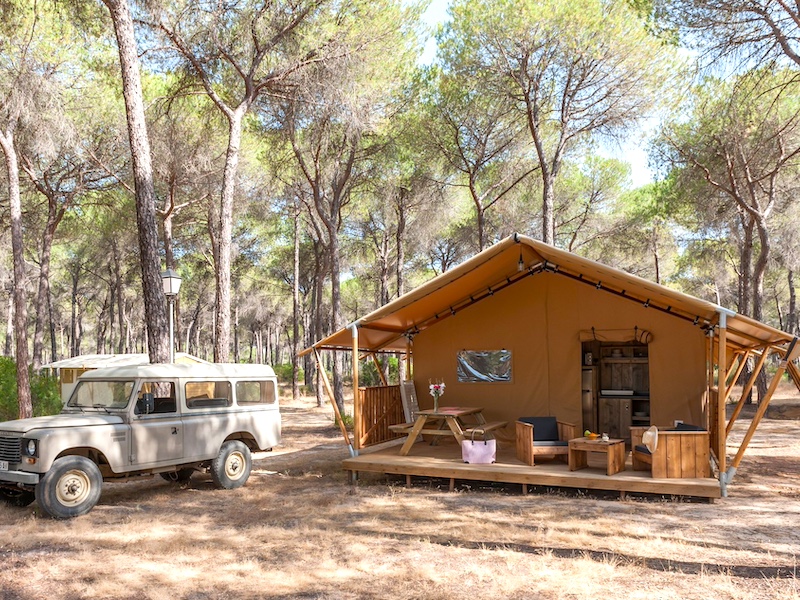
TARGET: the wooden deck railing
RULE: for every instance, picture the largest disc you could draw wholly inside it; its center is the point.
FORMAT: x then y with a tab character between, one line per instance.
380	407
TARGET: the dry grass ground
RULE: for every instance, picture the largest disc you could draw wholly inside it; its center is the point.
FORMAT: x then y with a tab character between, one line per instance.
298	530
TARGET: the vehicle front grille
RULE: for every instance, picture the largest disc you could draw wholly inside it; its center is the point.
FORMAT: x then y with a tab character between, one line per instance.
10	449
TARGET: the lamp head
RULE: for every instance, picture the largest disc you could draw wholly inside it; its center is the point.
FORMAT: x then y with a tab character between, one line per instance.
171	282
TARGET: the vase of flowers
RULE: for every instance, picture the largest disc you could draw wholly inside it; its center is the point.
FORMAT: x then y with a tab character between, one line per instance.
437	389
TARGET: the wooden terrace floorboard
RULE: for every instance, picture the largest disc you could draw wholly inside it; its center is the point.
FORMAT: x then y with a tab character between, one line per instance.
444	461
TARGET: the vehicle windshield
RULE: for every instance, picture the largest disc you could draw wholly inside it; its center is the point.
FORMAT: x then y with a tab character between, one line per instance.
101	394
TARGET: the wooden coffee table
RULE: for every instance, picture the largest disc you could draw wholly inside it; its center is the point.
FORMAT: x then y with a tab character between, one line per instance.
614	449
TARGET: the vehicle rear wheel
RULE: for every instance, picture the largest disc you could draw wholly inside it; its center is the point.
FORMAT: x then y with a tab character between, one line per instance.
70	488
179	476
231	468
17	497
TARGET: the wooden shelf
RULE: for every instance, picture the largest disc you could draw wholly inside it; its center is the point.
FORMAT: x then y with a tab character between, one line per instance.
625	361
623	367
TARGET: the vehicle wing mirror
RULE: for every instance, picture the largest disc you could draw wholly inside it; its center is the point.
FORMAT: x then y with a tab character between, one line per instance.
146	404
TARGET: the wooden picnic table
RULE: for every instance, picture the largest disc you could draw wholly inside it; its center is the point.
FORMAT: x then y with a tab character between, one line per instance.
432	422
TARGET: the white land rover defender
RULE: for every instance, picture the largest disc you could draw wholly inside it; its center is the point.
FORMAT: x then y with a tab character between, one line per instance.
121	422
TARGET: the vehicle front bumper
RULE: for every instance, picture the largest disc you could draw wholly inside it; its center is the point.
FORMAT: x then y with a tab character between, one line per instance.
19	477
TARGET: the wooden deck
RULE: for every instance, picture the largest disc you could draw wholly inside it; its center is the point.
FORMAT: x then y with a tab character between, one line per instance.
444	461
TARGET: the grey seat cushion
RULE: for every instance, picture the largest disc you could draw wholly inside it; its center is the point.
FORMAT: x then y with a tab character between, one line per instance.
550	443
688	427
544	428
642	449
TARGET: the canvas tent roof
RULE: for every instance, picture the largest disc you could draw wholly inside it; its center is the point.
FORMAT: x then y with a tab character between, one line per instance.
517	257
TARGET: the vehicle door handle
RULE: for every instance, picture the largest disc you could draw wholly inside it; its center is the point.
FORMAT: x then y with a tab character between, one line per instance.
174	431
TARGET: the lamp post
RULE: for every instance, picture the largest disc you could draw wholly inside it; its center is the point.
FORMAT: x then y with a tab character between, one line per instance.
172	284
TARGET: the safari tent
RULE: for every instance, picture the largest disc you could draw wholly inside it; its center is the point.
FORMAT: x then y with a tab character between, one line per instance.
575	339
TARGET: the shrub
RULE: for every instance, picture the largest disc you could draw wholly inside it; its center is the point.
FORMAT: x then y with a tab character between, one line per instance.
284	373
45	392
348	421
368	373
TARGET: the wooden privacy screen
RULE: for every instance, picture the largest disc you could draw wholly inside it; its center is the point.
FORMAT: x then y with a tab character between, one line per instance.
380	407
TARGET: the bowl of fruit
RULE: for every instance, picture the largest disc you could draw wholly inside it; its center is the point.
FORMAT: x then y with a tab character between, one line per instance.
590	436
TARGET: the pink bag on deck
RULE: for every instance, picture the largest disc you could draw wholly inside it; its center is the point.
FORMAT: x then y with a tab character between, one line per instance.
479	452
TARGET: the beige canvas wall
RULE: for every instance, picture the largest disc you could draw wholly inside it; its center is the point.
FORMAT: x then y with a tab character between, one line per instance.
541	320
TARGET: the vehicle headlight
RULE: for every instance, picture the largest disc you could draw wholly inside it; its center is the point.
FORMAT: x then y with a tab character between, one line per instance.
31	447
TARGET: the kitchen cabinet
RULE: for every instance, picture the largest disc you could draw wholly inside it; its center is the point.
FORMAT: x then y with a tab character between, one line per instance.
624	388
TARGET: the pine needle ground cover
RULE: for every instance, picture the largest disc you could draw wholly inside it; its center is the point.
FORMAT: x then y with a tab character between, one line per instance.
298	529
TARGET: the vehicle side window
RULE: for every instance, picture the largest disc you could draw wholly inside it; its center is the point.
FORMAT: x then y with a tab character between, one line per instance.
208	394
255	392
163	395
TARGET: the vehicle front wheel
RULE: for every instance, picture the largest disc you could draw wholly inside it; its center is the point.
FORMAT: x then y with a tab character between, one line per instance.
179	476
231	468
17	497
70	488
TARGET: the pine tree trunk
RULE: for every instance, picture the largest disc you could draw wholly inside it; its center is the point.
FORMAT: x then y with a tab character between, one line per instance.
236	335
222	254
118	285
52	323
296	303
336	316
43	293
17	250
9	326
758	294
791	318
548	210
155	305
401	248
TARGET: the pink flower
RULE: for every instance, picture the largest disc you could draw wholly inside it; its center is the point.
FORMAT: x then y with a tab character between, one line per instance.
437	389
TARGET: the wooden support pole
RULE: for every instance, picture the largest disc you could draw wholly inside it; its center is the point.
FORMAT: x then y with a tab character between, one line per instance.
746	390
791	354
713	395
710	361
332	398
794	373
408	359
722	386
381	374
742	362
357	408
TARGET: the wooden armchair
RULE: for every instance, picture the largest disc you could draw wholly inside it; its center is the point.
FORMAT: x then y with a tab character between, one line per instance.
543	437
677	452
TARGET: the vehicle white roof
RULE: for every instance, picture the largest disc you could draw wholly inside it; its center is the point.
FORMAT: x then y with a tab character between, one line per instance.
99	361
183	371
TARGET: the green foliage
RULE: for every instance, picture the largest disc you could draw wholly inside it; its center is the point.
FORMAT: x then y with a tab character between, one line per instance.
284	373
368	373
348	421
8	389
44	391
